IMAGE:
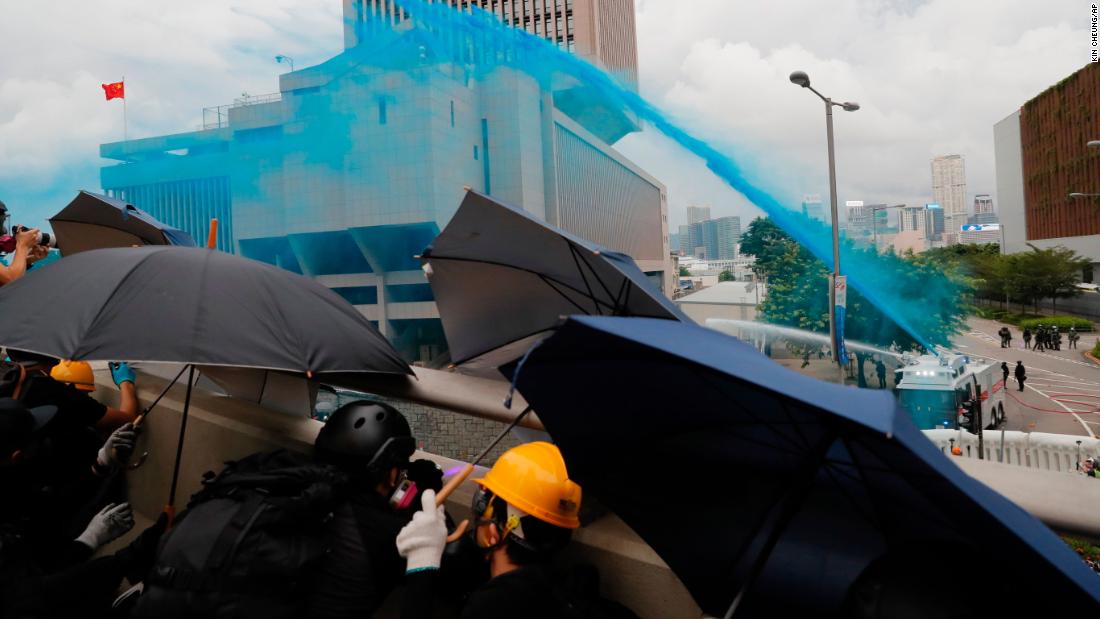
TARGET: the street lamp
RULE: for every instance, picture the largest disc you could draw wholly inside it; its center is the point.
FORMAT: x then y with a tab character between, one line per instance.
287	59
874	220
801	79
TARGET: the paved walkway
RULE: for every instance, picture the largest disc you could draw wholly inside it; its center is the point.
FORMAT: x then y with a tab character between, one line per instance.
1062	393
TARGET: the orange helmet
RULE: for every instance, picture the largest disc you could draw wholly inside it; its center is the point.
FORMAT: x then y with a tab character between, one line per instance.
76	373
533	479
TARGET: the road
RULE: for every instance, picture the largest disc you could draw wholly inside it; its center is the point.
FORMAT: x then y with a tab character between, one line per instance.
1062	391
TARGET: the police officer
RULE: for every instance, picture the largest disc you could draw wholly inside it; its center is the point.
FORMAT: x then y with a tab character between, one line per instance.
1021	374
1027	338
525	511
1055	338
1073	336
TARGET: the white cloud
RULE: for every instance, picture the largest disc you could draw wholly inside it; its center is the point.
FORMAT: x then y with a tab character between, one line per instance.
932	78
177	57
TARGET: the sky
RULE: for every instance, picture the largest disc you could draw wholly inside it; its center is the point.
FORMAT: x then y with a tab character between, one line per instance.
932	78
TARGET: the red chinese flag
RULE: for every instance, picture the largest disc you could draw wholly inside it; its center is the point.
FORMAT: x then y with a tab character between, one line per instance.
116	90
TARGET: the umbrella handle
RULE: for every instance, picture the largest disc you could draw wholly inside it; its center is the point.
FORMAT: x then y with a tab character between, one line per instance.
453	483
170	512
114	451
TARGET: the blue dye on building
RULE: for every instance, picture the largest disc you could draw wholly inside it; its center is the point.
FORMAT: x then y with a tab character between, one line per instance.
354	166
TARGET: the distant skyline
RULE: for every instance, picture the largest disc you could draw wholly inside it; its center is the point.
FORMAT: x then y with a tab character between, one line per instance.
932	78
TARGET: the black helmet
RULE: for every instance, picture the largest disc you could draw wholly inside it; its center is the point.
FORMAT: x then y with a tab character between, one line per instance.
367	437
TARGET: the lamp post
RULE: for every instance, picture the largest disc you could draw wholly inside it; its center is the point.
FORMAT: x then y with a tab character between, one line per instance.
874	220
800	78
287	59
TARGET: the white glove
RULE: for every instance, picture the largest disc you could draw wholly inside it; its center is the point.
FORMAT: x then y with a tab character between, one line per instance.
119	445
111	523
421	542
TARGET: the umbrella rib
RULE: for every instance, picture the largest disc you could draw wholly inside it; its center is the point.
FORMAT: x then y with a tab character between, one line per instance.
580	271
549	282
787	508
543	276
576	255
715	386
833	472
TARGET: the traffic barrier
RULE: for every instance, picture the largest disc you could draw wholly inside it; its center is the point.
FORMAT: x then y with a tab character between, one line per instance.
1037	450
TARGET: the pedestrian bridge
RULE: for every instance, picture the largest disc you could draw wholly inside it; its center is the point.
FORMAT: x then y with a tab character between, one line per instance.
222	428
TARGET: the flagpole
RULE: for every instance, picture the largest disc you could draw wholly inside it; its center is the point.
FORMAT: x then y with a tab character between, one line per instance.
124	132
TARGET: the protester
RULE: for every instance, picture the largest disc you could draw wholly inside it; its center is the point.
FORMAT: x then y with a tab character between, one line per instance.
880	371
1021	374
43	573
1004	370
332	555
37	387
525	511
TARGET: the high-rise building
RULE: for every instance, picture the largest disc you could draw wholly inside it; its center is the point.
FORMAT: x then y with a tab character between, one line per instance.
684	241
937	221
813	208
600	31
915	218
697	214
859	223
1041	157
949	190
712	239
983	210
355	165
729	235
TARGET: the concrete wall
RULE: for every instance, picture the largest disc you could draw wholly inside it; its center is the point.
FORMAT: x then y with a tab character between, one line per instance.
221	428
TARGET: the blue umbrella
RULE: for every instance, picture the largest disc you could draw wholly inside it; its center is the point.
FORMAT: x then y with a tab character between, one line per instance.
770	492
95	221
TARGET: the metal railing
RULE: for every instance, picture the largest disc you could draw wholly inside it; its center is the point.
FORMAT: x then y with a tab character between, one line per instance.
217	116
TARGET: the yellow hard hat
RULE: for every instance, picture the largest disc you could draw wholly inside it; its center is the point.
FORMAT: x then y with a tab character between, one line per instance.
76	373
532	478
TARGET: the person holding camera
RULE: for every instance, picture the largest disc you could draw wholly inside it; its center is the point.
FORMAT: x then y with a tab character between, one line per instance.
23	245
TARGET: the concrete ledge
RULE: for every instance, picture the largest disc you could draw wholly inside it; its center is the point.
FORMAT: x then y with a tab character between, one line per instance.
222	428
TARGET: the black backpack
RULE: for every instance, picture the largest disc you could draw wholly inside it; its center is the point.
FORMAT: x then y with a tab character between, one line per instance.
248	543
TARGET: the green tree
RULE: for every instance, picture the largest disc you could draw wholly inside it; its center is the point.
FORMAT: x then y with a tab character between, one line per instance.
798	292
1058	270
725	276
684	272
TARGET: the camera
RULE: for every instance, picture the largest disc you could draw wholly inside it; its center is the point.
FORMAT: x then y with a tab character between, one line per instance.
7	240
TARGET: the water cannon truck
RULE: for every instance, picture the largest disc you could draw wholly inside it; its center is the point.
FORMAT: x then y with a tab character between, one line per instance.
951	391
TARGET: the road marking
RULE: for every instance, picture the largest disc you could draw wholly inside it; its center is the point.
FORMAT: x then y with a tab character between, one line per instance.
1068	410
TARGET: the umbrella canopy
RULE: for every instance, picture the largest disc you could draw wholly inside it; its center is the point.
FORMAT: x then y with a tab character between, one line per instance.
501	277
785	493
189	305
95	221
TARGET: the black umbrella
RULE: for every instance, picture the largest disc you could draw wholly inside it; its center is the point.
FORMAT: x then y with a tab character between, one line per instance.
192	306
773	494
96	221
502	277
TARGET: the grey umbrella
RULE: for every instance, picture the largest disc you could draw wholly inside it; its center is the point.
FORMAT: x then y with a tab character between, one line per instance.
193	306
189	305
502	277
95	221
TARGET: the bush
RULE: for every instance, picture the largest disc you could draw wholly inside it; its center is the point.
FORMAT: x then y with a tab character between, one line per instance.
1096	349
1062	322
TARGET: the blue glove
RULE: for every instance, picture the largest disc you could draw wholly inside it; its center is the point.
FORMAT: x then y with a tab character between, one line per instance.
121	372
